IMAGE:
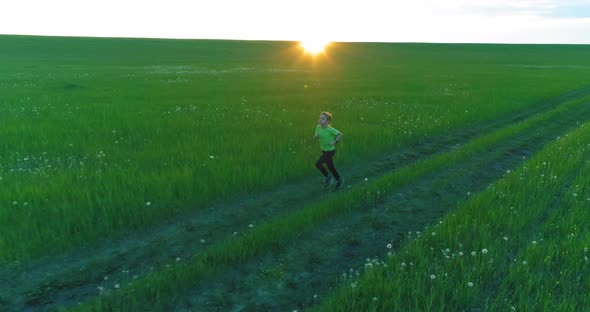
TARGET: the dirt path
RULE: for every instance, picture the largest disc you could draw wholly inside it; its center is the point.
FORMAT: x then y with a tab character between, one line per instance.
77	275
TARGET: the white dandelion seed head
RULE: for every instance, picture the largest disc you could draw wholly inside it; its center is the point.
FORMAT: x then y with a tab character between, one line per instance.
148	203
366	179
505	238
484	251
473	253
534	242
432	276
117	286
433	233
470	284
389	246
211	157
460	253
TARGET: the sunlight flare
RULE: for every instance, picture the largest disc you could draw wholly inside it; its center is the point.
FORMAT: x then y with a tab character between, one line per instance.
314	46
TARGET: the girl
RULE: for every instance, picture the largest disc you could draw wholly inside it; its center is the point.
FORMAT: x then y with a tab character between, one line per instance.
328	138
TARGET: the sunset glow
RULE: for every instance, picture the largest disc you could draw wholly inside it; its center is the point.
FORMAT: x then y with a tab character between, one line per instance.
314	46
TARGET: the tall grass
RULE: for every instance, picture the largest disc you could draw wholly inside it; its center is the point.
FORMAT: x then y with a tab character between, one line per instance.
105	136
477	256
152	290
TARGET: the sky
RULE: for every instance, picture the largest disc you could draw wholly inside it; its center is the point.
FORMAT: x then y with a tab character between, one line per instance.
453	21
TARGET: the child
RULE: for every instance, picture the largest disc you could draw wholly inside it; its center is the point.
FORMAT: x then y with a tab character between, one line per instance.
328	138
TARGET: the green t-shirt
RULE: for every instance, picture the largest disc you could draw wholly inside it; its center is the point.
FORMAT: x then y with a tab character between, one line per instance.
326	135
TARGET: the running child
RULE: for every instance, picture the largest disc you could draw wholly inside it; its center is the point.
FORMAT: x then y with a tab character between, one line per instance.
328	138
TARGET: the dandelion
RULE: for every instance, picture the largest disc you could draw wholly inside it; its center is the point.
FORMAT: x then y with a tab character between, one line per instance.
460	253
585	249
389	246
470	284
403	264
432	276
211	157
524	262
366	179
250	225
484	251
433	233
473	253
106	278
117	286
505	238
375	299
534	242
177	259
148	203
202	241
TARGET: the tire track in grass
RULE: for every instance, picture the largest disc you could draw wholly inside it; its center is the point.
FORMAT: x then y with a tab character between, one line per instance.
79	273
493	220
301	274
274	234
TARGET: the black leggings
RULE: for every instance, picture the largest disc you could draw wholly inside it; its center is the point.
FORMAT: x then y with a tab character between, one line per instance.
327	158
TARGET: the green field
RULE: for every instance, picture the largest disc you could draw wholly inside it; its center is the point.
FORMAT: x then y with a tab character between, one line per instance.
144	174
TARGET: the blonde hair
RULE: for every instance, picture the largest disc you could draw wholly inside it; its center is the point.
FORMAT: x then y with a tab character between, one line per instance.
328	116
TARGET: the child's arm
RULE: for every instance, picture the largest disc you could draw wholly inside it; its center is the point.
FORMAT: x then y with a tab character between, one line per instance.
338	138
315	136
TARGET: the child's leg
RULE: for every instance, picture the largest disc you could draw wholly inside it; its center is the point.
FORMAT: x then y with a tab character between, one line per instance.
330	164
320	164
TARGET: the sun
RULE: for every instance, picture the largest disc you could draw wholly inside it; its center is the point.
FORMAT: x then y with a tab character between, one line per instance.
314	46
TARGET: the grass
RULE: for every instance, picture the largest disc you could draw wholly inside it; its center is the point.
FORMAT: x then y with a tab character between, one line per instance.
282	230
477	257
95	129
